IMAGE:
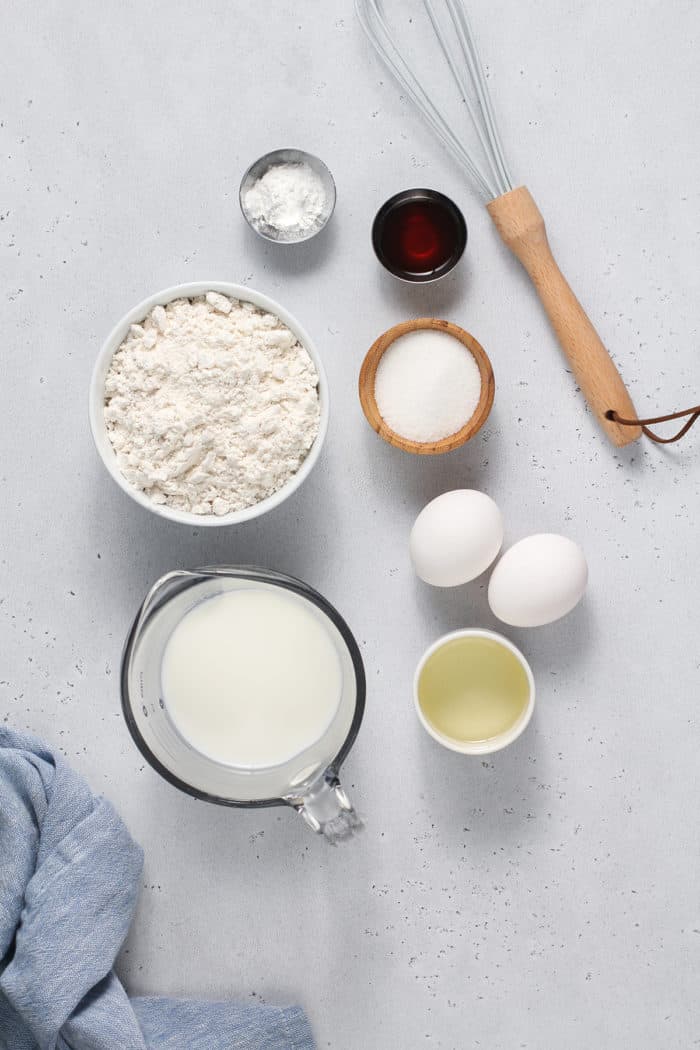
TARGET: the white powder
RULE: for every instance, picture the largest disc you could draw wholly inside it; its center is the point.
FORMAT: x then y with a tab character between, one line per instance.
427	385
289	199
211	405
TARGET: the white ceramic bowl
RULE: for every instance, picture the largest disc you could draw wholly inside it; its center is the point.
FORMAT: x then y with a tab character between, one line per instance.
476	747
114	341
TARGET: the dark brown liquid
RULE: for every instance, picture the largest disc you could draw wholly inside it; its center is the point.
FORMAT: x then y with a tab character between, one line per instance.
420	237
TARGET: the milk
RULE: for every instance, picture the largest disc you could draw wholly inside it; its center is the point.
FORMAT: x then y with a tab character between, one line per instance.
251	677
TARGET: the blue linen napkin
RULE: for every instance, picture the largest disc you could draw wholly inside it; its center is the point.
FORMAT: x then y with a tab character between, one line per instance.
69	878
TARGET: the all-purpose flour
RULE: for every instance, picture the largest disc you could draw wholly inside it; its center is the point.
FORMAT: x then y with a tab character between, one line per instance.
211	405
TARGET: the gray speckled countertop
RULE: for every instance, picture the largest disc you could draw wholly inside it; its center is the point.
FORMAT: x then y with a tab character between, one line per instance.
546	898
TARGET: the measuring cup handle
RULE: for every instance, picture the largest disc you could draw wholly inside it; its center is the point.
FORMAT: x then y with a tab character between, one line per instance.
326	809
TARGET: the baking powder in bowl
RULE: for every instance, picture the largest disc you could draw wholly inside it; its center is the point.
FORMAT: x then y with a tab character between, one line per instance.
289	199
211	405
427	385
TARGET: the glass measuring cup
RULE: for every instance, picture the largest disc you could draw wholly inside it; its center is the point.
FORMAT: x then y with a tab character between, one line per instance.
308	782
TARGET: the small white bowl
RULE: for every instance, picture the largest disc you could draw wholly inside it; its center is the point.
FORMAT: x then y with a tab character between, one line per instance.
476	747
99	374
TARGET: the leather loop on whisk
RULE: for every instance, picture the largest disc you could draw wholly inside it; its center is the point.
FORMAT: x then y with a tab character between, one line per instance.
693	413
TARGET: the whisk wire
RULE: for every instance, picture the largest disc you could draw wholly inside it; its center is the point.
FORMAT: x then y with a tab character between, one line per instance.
468	42
462	82
373	21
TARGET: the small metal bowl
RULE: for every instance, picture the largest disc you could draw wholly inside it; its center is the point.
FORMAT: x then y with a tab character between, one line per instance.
393	207
287	156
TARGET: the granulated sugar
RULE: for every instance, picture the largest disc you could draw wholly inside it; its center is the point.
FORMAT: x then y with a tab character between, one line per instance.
211	404
427	385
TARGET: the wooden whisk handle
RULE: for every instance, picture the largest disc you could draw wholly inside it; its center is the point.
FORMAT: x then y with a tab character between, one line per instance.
521	226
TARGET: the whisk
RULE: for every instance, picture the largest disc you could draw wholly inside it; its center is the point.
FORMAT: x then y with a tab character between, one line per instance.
515	214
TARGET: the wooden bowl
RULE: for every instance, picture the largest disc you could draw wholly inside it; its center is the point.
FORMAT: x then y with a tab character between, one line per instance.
368	373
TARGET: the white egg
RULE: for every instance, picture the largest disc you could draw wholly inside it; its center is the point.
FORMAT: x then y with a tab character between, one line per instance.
538	580
456	537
